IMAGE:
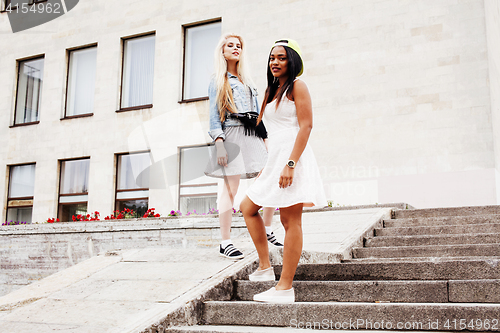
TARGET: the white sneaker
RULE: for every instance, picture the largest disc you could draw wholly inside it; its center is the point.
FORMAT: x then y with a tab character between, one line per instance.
263	275
276	296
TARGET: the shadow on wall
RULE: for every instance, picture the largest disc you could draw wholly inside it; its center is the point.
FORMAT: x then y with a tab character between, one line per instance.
24	16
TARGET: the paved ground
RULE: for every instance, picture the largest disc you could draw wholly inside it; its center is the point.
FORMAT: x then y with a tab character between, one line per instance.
126	291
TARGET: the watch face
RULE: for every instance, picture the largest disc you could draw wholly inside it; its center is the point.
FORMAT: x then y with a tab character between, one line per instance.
291	164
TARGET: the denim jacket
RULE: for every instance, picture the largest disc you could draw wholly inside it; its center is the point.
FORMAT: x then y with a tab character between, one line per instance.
240	100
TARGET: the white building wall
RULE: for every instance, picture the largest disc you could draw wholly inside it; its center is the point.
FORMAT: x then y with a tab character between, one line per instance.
402	103
492	10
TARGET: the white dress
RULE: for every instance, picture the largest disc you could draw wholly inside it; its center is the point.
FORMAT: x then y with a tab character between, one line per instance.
282	128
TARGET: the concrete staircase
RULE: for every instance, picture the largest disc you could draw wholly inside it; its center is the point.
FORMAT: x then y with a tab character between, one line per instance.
424	270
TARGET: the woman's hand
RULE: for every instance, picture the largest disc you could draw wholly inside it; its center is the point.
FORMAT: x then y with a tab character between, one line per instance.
286	177
221	152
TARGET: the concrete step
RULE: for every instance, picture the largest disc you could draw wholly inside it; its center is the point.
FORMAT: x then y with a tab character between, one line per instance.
404	269
451	211
477	291
409	316
234	329
428	251
442	220
488	228
262	329
355	291
384	241
420	259
456	291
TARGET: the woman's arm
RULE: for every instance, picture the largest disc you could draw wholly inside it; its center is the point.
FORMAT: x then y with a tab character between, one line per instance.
215	124
303	105
216	131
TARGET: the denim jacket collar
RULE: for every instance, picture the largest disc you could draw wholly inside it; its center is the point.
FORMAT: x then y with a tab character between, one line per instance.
241	102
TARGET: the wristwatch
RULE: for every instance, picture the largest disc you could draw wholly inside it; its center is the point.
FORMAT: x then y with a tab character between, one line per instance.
291	164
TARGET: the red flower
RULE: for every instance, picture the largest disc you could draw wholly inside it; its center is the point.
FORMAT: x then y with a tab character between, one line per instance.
73	217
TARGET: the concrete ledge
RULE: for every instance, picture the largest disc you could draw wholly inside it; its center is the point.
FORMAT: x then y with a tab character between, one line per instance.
443	220
487	228
285	315
188	308
259	329
355	291
450	211
164	223
56	282
396	205
404	270
481	291
472	250
29	253
386	241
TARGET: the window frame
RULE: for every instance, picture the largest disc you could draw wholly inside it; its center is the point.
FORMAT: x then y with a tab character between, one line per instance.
117	172
185	27
59	195
123	41
25	201
191	185
18	70
68	67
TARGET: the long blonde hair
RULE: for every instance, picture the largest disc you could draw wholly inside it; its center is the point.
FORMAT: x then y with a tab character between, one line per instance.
224	97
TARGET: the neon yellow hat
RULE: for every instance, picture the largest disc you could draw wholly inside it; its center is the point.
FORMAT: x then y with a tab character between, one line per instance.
294	46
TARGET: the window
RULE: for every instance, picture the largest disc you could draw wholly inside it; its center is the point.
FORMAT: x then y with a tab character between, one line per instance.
132	186
199	45
21	192
73	188
197	192
138	72
81	82
29	91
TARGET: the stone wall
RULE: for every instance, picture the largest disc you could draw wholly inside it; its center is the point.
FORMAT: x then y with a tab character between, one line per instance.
31	252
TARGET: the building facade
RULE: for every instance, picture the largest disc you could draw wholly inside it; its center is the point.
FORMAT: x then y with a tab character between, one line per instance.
105	107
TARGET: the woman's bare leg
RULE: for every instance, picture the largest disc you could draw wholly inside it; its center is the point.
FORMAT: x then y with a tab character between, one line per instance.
291	218
229	191
268	216
255	226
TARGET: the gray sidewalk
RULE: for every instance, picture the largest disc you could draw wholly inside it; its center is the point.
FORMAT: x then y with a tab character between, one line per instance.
127	291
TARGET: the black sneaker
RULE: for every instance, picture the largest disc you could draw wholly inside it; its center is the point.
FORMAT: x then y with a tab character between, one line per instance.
231	252
272	239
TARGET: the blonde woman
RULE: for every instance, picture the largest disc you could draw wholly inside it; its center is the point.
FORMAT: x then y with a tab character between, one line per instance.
240	151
